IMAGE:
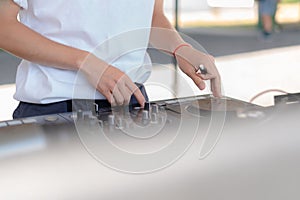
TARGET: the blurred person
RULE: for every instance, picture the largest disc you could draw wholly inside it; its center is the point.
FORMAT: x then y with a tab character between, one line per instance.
56	38
267	11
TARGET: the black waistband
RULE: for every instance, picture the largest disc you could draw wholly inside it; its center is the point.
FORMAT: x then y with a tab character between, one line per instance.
87	104
30	109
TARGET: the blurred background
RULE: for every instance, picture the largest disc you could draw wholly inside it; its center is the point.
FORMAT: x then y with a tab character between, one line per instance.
248	61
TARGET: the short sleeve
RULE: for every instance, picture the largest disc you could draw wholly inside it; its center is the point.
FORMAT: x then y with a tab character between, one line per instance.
22	3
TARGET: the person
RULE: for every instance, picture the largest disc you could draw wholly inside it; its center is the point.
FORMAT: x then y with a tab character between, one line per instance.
55	39
267	12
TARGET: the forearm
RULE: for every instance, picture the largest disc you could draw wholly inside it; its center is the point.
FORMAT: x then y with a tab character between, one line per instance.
21	41
163	34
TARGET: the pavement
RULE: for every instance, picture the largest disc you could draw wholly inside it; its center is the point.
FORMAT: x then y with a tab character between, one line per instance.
223	41
8	67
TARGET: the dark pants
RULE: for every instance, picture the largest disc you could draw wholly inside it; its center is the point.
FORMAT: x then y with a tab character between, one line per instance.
29	109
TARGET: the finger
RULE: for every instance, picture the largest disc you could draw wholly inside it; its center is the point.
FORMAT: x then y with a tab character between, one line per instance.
137	93
126	93
216	87
206	76
113	101
118	96
140	97
108	95
198	81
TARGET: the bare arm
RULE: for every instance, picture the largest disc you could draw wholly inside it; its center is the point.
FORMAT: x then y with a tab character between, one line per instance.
166	38
25	43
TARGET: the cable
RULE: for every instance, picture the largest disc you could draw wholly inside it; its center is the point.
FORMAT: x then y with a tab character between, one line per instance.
267	91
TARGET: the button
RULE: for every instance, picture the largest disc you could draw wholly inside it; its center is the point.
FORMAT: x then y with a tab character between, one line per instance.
29	121
147	106
111	120
101	124
51	118
120	123
73	116
154	118
79	114
161	120
93	120
145	115
256	114
155	108
96	106
14	123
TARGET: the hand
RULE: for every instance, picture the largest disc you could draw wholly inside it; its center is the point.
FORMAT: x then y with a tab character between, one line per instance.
189	60
114	84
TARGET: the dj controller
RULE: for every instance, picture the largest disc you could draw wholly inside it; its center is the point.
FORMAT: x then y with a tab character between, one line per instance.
152	113
185	148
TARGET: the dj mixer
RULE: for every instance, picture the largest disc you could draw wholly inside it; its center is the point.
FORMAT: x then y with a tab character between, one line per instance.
197	147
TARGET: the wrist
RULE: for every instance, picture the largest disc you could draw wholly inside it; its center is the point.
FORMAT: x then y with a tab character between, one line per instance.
80	59
91	65
179	48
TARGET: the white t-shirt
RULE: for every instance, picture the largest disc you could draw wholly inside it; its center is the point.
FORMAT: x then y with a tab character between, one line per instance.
117	31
